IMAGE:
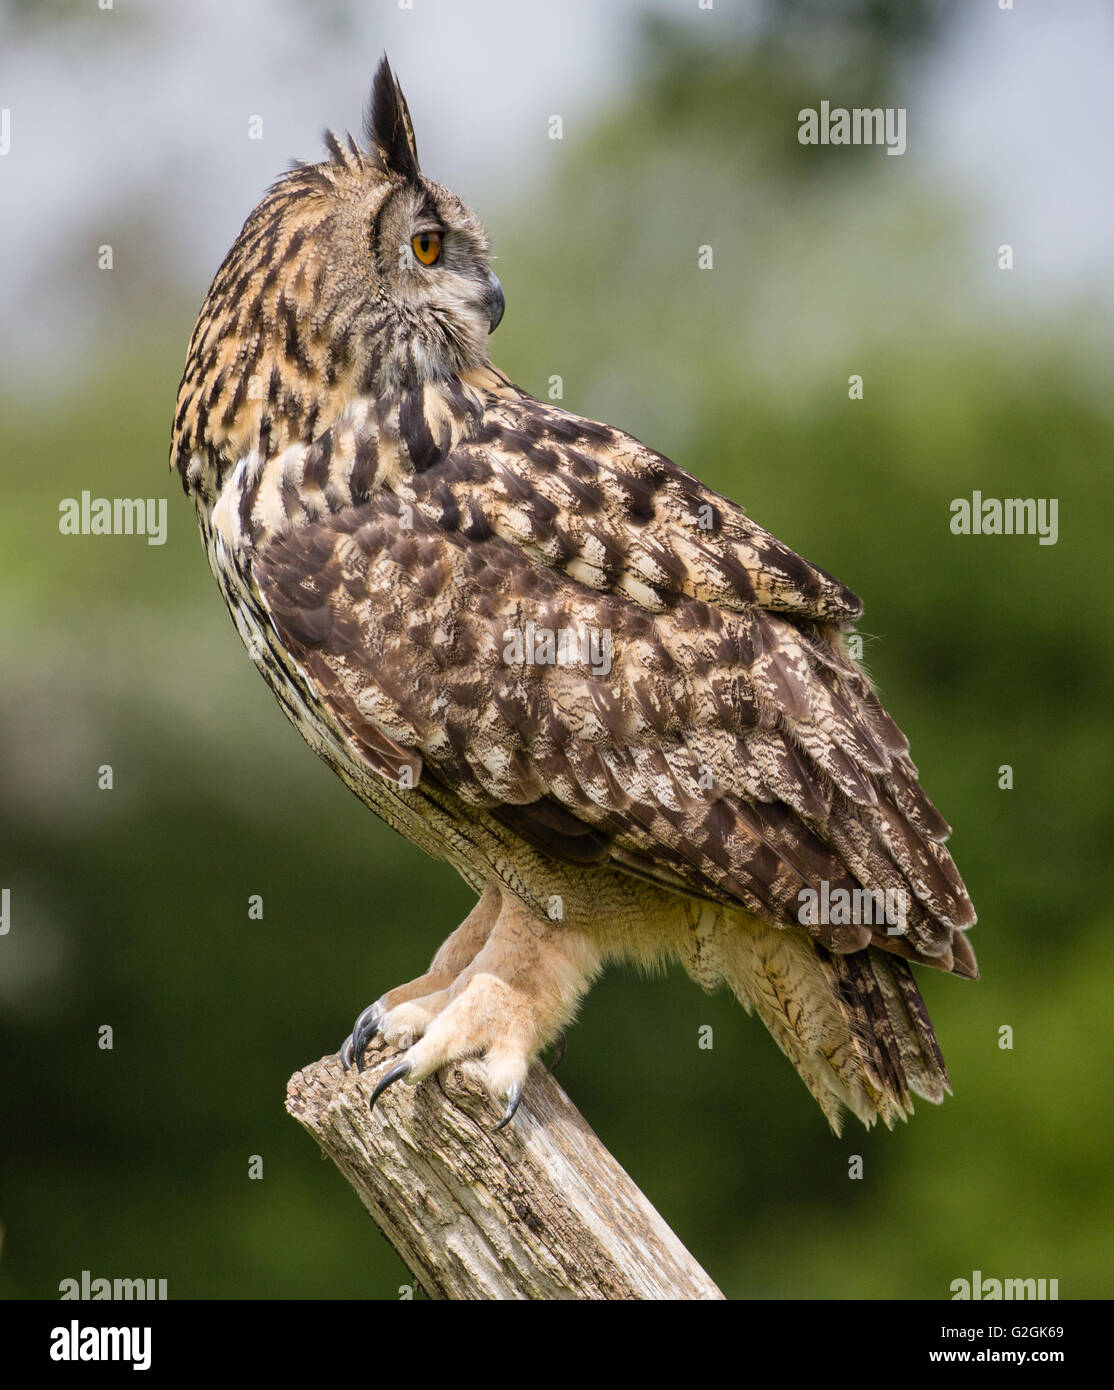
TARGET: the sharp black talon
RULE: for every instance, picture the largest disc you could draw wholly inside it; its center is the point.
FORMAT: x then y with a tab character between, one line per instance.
514	1095
395	1074
363	1030
558	1049
345	1053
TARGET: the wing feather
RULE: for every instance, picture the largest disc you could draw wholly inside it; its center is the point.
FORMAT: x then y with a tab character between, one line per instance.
727	748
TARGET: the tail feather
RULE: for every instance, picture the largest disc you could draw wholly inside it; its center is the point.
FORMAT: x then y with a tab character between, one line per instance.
854	1025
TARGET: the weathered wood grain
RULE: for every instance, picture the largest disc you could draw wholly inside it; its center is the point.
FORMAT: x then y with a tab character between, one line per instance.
539	1210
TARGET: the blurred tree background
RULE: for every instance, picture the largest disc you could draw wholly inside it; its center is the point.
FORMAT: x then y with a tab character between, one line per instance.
129	907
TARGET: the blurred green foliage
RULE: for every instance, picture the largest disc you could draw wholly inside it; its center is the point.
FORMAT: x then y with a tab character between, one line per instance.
129	907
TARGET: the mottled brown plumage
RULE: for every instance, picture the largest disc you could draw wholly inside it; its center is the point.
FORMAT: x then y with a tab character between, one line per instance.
393	523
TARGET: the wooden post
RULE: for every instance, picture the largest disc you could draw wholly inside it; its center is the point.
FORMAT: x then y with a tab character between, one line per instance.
539	1210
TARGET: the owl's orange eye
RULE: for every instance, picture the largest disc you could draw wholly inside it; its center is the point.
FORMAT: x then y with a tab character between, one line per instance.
427	247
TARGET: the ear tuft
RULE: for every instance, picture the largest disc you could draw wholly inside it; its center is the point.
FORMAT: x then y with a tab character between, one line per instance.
387	124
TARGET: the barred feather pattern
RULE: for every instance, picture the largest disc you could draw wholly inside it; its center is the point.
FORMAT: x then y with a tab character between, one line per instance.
388	516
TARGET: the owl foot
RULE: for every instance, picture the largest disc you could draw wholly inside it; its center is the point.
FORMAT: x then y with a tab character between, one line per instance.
505	1006
458	951
487	1018
407	1024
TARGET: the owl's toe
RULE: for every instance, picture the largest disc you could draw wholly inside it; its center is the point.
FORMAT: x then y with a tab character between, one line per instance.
406	1022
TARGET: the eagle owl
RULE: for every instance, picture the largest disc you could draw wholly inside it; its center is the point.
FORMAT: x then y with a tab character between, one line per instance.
626	714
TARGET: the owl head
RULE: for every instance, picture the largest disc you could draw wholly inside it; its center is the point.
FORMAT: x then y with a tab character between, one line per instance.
356	276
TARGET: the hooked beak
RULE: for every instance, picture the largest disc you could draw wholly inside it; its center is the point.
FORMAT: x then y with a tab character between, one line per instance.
494	301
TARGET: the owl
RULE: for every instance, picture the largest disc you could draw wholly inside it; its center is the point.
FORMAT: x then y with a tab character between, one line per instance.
627	715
